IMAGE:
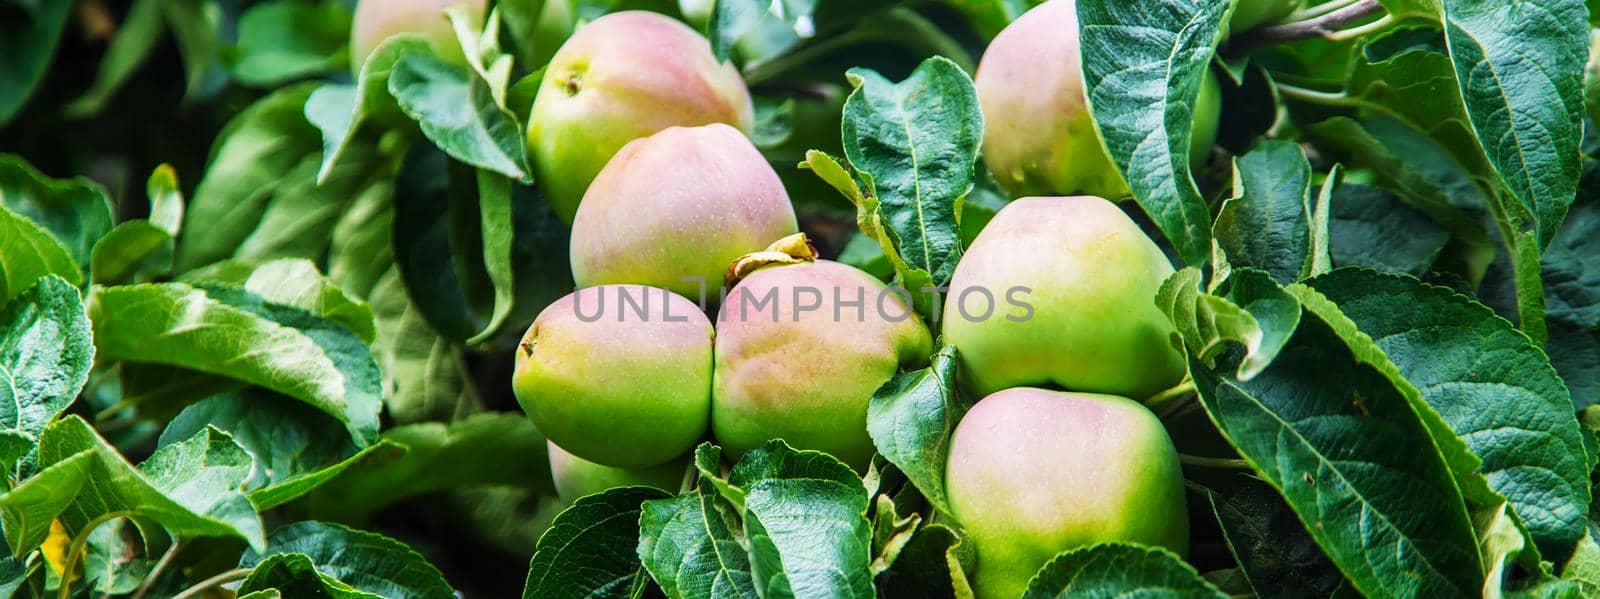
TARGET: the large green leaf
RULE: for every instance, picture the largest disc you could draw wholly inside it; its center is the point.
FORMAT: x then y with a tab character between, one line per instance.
1143	63
295	447
32	254
458	113
1119	570
915	142
248	164
1519	66
425	375
1494	388
805	521
1267	224
911	419
27	44
688	542
191	487
231	333
77	212
284	40
292	282
366	561
341	110
46	351
1321	427
1371	228
588	550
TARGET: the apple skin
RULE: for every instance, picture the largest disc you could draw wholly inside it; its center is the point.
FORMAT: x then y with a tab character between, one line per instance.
377	20
1038	135
624	76
1092	277
620	390
1032	473
576	477
680	204
804	376
1248	14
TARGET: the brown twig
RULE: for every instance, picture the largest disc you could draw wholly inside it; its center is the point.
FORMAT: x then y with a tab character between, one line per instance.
1326	26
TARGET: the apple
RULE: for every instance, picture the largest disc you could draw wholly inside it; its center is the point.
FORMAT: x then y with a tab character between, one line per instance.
576	477
1033	473
624	76
672	210
619	375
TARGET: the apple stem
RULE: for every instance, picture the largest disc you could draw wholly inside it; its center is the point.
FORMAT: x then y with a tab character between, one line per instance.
1328	26
1165	402
1316	11
1205	462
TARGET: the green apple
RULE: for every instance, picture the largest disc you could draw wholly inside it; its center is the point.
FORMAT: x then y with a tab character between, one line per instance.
1038	135
674	209
378	20
1078	280
1248	14
576	477
619	374
1032	473
801	346
624	76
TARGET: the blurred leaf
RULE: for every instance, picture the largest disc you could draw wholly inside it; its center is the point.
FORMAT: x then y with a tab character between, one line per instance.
191	488
911	419
284	40
457	112
588	550
359	250
295	447
1143	63
76	211
46	351
234	334
498	230
492	449
425	375
249	161
927	567
1275	553
302	213
430	213
294	575
32	254
292	282
341	110
28	43
1119	570
141	30
196	28
357	559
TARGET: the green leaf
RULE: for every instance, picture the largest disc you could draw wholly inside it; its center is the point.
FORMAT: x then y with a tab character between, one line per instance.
292	282
196	27
1321	426
298	220
294	575
1371	228
457	112
284	40
1519	67
233	334
359	249
248	164
1143	63
1119	570
441	262
137	36
191	488
688	542
499	232
425	375
805	521
1494	388
295	447
130	249
31	255
340	111
1207	323
46	351
588	550
1274	551
1267	224
76	211
731	20
491	449
365	561
928	566
28	43
915	142
911	419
